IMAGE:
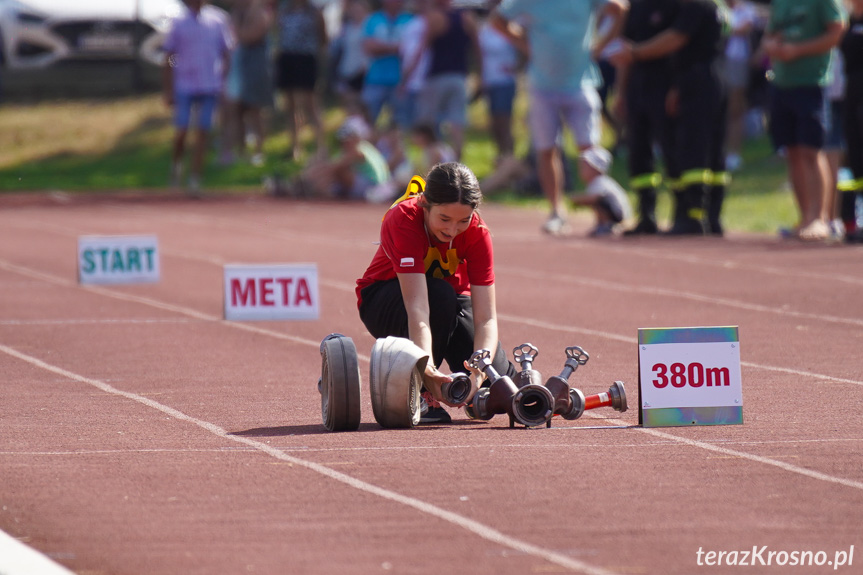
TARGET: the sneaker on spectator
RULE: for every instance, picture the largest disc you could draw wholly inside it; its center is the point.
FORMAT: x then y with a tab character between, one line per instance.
176	175
193	189
837	230
431	410
601	230
818	230
555	225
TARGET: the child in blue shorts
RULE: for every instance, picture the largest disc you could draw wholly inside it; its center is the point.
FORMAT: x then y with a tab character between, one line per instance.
197	51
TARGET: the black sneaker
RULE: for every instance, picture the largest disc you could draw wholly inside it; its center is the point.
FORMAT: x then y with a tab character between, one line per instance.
431	410
686	227
643	228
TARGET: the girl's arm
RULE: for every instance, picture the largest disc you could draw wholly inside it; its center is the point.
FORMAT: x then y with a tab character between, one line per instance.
484	317
415	295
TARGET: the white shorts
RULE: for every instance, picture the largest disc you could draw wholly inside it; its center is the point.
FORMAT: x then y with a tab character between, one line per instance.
579	110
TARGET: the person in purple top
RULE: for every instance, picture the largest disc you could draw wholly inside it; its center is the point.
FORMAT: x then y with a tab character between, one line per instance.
197	50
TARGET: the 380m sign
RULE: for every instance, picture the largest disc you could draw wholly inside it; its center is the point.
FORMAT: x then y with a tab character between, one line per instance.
693	375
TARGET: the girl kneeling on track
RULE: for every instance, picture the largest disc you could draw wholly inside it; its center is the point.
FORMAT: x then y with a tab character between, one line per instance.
432	278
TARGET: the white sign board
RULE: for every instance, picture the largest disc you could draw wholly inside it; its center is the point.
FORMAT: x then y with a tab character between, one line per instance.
689	376
118	259
271	292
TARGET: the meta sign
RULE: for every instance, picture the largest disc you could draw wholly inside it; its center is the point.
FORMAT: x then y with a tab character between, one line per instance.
118	259
271	292
689	376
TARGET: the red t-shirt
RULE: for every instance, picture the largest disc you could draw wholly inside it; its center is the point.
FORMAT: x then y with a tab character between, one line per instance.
407	248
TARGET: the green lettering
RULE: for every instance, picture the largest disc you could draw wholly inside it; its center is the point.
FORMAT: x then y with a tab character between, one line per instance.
104	253
133	259
117	261
89	264
149	252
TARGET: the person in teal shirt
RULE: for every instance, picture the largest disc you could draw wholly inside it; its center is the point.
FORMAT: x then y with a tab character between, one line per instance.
563	81
798	40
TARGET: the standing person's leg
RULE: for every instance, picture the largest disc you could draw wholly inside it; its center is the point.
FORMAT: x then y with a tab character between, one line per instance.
545	125
644	179
720	178
500	100
206	109
853	130
182	117
309	99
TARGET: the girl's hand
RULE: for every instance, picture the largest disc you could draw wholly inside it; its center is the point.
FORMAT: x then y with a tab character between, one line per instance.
433	379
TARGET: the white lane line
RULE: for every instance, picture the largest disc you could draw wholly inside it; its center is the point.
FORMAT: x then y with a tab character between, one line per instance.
751	457
189	312
535	274
16	558
531	322
95	321
475	527
399	448
629	249
632	340
678	294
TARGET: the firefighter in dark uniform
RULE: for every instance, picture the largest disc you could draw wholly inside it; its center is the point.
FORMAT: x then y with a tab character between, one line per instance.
696	101
644	86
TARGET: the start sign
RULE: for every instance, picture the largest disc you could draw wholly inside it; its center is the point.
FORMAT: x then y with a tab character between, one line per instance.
271	292
689	376
118	259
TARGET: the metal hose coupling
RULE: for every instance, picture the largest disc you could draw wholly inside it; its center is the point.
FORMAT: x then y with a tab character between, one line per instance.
530	405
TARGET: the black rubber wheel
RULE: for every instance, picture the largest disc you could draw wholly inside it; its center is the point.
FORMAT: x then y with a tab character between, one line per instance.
340	384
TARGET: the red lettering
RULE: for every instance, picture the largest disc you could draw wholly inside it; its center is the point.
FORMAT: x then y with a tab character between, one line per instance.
696	374
266	291
718	376
245	295
661	371
678	375
285	282
303	295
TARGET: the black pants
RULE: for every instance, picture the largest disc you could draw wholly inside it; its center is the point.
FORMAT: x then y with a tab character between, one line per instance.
647	124
450	317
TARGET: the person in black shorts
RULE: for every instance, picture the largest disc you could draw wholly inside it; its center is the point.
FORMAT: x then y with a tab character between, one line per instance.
302	38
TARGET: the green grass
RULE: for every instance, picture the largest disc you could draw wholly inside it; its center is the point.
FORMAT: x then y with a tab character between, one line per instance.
125	144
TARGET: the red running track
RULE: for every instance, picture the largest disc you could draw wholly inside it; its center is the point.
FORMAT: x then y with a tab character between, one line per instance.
143	434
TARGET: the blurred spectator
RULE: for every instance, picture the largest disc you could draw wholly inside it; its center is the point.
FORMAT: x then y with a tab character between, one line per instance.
736	72
197	51
413	81
697	103
834	142
352	60
381	42
358	172
432	150
798	40
852	50
563	83
641	92
450	34
500	63
302	39
249	87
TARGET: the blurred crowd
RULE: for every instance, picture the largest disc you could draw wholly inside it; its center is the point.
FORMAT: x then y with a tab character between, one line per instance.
677	85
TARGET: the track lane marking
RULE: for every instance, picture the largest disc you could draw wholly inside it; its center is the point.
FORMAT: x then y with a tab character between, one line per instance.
195	314
519	272
750	456
471	525
396	448
526	321
17	558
